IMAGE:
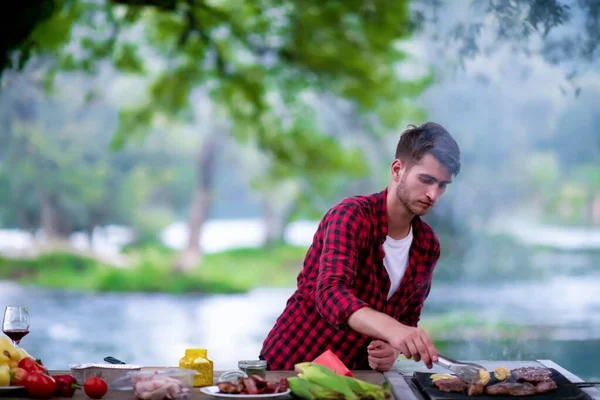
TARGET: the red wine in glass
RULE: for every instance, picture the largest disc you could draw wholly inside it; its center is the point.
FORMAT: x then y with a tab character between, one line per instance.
16	334
16	322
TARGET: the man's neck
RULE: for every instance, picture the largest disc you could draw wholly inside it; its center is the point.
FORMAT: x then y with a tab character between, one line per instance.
399	217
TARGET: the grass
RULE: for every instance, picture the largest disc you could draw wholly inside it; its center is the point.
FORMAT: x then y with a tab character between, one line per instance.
151	270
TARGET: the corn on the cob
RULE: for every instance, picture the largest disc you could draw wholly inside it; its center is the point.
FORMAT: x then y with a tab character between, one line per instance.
325	377
307	390
346	387
368	390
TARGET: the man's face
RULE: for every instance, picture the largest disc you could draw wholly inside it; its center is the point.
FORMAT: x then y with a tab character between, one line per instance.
420	186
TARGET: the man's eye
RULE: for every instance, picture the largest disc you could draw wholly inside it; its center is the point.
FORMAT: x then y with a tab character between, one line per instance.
443	186
427	180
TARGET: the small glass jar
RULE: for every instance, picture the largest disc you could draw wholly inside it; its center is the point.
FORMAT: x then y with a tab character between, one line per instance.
254	367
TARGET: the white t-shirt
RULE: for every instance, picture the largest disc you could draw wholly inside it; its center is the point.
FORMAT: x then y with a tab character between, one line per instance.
396	259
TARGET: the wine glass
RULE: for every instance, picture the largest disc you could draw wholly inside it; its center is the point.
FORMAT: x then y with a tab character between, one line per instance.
16	323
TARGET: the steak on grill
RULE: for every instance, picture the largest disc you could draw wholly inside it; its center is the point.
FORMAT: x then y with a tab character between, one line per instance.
451	385
545	386
531	374
511	389
475	389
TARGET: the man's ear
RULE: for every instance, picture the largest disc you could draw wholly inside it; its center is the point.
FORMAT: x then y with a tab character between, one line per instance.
396	169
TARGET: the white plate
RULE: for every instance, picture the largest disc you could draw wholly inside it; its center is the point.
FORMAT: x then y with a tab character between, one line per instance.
11	387
214	391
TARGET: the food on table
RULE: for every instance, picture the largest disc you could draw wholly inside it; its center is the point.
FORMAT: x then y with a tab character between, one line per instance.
475	389
484	377
531	374
455	384
528	381
31	365
317	381
437	377
18	376
158	387
39	385
330	360
4	375
95	387
9	355
253	385
501	373
65	385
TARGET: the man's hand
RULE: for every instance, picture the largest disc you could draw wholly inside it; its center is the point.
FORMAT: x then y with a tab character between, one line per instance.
381	356
413	343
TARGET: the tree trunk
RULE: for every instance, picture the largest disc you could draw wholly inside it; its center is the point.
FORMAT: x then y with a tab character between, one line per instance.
596	209
51	221
279	205
205	170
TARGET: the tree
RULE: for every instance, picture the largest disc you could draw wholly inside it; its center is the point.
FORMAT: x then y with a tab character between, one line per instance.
263	63
562	32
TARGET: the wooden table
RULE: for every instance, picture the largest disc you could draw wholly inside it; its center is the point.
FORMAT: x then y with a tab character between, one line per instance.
399	377
369	376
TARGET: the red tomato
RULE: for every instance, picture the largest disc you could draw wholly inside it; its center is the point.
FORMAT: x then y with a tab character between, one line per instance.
95	387
39	385
30	365
331	361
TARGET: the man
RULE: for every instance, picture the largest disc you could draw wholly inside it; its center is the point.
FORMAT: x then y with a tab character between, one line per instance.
369	269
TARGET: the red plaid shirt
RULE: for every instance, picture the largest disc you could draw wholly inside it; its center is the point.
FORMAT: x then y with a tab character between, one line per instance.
343	272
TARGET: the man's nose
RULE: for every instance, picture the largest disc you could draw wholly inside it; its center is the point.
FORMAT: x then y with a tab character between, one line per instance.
433	193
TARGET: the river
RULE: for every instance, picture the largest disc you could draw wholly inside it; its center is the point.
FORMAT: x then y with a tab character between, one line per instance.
560	317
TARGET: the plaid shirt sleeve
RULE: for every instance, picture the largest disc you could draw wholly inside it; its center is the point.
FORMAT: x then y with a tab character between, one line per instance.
344	234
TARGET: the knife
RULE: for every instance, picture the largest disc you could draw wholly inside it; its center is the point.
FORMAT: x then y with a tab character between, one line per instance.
112	360
468	372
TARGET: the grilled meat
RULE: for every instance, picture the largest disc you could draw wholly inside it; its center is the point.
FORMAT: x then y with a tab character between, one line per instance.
511	389
475	389
545	386
531	374
451	385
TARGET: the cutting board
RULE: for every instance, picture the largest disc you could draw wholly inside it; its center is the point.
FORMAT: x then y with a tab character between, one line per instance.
565	390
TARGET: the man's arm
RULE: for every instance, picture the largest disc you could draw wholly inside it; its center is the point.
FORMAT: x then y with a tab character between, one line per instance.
344	232
410	341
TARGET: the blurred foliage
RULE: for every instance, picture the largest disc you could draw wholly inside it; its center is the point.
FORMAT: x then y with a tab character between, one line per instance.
57	174
561	31
265	64
150	270
568	195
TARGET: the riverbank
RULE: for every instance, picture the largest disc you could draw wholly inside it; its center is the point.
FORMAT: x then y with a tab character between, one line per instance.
151	270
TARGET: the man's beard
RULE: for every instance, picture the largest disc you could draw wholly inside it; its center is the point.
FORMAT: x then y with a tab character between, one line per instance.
404	198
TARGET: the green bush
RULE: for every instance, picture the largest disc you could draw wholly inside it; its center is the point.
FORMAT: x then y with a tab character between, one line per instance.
151	270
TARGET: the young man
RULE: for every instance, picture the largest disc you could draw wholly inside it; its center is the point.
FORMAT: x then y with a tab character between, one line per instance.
369	268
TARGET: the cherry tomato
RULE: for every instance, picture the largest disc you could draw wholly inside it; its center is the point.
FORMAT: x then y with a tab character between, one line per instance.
95	387
39	385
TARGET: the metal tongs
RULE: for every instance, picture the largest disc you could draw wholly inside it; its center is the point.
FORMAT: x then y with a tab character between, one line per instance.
468	372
